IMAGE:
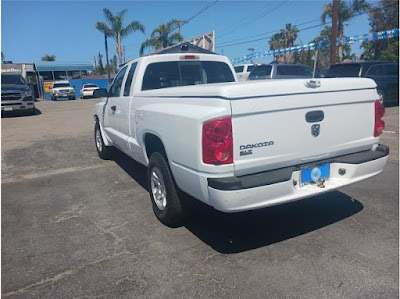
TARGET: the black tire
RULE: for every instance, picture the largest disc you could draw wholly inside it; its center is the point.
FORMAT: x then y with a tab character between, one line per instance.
104	152
172	214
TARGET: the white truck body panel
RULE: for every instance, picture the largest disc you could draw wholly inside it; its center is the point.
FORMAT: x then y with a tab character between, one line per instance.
261	111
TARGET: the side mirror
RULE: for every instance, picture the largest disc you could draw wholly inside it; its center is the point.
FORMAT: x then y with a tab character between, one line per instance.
100	93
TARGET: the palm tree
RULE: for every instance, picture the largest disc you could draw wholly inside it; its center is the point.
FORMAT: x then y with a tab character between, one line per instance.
289	35
115	28
160	37
346	12
276	42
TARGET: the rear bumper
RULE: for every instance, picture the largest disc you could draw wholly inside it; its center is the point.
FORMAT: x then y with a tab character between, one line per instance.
87	93
234	194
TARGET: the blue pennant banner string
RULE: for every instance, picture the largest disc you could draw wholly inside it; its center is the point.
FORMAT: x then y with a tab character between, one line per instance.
347	40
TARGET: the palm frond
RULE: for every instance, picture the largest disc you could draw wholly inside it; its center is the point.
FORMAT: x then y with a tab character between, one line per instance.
149	43
103	27
175	37
109	16
132	27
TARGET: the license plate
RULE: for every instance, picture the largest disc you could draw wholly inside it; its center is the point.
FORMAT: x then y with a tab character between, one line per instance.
314	174
8	108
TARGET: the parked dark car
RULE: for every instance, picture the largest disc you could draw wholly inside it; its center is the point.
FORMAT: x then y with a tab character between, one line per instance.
384	73
16	95
280	71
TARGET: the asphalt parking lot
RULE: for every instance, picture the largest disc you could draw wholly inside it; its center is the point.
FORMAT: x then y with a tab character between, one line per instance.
75	226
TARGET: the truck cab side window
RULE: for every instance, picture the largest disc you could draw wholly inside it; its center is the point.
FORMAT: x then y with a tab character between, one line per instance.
128	82
115	89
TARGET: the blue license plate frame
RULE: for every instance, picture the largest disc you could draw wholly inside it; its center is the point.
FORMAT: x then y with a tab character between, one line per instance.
314	174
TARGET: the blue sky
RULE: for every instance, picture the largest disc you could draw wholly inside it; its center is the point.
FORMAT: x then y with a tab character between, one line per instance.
31	29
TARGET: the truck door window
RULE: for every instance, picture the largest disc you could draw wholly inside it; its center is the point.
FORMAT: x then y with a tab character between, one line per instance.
239	69
128	82
115	89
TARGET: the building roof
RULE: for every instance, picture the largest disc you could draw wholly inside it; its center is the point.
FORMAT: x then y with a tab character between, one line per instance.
43	66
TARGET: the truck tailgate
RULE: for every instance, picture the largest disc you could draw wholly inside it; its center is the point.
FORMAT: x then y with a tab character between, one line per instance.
287	122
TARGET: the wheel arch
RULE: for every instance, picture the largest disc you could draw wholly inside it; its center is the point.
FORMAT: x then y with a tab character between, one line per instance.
153	143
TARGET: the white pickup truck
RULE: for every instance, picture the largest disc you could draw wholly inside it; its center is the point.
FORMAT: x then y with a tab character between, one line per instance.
238	145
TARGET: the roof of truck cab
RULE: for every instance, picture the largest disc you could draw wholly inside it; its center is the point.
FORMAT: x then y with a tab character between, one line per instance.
168	56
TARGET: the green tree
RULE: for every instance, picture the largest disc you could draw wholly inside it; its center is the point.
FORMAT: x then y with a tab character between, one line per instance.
161	37
49	57
391	52
115	29
114	64
284	39
385	18
2	56
276	42
346	12
100	70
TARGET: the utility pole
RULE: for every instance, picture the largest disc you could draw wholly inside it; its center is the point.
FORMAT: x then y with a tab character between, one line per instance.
179	25
335	8
315	62
108	63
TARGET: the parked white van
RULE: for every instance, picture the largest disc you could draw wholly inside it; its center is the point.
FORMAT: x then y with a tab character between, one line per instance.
243	71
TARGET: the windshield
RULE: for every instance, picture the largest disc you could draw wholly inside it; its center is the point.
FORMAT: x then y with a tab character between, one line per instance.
12	79
260	72
90	85
56	85
183	73
343	70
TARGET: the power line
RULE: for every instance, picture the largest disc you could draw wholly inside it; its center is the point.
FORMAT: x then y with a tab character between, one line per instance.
252	19
303	29
243	38
200	12
184	22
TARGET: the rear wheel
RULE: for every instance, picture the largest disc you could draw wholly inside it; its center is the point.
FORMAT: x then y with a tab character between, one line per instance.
167	205
104	152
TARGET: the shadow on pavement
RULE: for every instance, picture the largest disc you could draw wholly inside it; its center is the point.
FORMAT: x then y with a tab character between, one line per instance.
20	114
137	171
238	232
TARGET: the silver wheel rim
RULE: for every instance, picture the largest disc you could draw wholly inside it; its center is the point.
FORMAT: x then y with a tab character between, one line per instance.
158	188
99	142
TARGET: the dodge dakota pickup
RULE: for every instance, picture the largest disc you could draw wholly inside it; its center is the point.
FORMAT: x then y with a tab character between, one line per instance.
237	145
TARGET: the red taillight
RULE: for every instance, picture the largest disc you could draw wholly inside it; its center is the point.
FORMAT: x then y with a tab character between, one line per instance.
217	141
189	57
86	89
379	123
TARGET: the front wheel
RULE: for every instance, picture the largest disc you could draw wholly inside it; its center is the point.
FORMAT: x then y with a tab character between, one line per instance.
167	205
104	152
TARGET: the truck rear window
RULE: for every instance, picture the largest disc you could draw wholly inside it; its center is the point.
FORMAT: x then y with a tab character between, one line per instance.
343	70
182	73
260	72
293	70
